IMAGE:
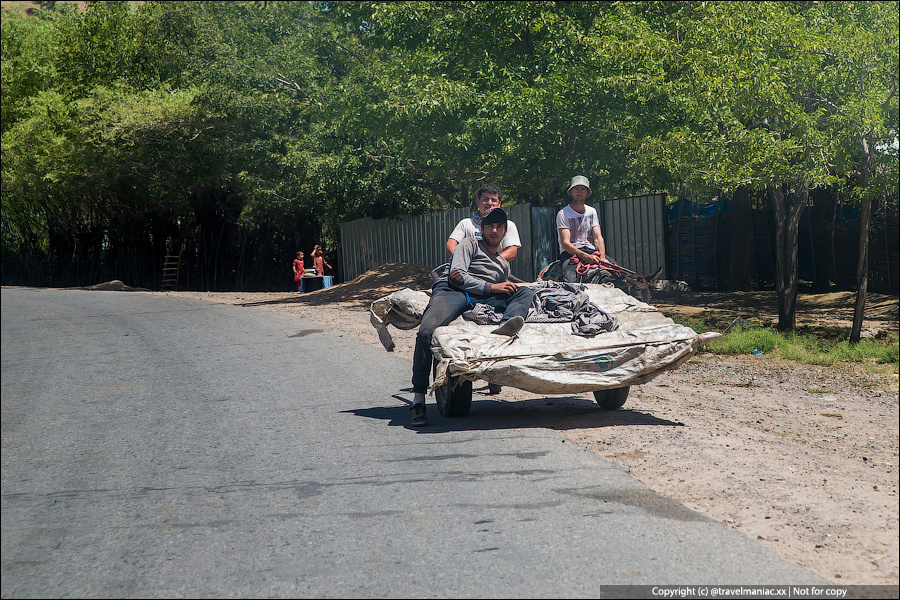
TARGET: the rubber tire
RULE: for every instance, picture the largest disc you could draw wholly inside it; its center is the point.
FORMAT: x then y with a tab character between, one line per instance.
613	398
457	403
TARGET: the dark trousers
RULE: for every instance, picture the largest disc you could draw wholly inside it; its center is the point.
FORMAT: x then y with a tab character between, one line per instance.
569	270
446	304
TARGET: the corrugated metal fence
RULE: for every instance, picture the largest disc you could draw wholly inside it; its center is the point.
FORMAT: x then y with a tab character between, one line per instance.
634	230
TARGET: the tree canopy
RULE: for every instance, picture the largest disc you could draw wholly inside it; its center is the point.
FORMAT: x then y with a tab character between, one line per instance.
247	130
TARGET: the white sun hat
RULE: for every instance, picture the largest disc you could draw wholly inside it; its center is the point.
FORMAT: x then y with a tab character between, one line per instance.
581	180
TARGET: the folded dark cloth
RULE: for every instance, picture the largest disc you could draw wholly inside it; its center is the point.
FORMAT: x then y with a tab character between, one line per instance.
556	302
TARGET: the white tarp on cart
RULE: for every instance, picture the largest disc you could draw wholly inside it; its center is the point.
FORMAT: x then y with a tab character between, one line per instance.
547	358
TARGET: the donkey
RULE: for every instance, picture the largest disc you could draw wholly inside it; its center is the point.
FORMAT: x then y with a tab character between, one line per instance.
637	285
626	280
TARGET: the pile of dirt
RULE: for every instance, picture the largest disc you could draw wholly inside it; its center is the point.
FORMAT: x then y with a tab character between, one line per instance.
376	283
112	286
365	289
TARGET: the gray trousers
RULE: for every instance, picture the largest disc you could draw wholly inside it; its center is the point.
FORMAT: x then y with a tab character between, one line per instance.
447	303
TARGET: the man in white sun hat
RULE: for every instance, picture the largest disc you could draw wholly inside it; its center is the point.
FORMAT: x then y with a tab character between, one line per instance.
578	231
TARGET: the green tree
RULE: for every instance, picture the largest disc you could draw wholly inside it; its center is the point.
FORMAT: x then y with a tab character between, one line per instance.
27	47
527	94
87	161
855	98
250	129
740	78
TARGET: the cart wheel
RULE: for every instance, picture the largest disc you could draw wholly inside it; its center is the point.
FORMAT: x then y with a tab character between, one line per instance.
612	399
454	398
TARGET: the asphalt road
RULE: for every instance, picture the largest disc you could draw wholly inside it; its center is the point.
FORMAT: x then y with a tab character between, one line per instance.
163	447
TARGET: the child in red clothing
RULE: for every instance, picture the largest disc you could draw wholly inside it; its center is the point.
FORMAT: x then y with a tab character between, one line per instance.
299	271
319	261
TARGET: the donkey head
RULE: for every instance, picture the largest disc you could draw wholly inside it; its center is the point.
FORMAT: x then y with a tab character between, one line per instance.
639	285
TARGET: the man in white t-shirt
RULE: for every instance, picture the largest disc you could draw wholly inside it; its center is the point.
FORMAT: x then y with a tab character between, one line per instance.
487	197
578	230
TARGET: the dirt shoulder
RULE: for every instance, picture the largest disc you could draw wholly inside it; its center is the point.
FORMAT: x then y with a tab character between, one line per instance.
803	459
815	312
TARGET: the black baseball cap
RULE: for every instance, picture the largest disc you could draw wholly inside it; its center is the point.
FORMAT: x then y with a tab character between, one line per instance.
497	215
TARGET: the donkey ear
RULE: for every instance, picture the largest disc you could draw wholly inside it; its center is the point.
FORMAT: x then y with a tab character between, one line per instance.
655	274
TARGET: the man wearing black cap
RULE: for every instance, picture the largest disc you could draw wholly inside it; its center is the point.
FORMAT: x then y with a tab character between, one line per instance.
478	274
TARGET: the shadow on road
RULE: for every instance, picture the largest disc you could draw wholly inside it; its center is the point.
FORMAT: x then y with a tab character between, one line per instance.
560	413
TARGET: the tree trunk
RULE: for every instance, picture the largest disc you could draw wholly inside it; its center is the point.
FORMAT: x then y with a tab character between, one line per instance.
862	270
787	224
741	236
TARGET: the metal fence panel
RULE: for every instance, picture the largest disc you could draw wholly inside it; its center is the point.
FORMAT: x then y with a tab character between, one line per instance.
523	266
634	230
418	240
544	239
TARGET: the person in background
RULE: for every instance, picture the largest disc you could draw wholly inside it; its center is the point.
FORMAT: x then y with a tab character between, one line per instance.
299	271
319	261
578	231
